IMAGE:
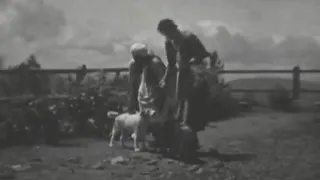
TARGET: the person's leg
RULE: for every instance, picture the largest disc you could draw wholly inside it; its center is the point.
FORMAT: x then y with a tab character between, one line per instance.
160	100
182	90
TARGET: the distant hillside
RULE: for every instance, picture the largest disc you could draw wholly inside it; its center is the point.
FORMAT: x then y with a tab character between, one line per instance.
269	83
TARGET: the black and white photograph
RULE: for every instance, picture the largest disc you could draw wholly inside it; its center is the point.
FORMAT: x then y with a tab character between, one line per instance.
159	90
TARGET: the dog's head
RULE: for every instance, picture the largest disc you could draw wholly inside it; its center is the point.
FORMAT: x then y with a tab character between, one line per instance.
147	113
112	114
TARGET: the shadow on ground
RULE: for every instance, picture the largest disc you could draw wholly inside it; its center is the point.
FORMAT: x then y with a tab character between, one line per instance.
226	157
204	157
67	144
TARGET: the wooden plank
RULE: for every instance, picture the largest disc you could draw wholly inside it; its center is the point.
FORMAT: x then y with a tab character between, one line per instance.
261	71
124	69
310	71
309	90
251	90
66	71
272	90
115	70
106	70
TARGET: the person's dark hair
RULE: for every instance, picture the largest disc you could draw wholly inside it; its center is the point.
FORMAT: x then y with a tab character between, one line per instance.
166	25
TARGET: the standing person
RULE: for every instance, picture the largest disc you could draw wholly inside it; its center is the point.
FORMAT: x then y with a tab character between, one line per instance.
183	49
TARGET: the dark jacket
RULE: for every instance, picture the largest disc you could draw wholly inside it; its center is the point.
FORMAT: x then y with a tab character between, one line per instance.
188	48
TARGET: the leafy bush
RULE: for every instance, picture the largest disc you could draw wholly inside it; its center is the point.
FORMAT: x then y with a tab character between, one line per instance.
280	99
249	98
223	104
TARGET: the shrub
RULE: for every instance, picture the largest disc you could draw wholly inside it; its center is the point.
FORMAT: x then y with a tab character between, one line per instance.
249	98
280	99
224	105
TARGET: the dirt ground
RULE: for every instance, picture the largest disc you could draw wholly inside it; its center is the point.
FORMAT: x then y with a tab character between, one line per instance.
256	146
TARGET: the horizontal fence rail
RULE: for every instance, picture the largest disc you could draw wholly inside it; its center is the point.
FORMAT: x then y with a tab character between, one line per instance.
263	71
65	71
271	90
295	71
115	70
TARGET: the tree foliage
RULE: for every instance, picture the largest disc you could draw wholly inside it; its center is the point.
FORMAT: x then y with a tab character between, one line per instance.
24	81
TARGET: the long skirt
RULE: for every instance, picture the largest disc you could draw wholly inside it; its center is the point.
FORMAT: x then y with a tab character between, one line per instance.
193	95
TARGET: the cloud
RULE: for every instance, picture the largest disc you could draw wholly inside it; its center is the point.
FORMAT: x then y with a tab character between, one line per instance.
22	32
27	25
60	57
209	28
112	45
278	38
93	39
234	46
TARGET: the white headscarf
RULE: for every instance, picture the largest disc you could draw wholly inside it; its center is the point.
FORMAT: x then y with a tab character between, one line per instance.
139	49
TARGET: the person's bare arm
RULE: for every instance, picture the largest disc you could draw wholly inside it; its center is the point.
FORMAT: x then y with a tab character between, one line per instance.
134	86
158	68
171	57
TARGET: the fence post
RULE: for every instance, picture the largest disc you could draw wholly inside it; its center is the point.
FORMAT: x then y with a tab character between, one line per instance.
80	75
117	77
296	82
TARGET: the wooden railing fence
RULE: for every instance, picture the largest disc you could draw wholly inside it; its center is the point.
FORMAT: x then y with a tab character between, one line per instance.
296	72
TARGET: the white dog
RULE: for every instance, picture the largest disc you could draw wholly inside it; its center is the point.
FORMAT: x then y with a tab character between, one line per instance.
136	124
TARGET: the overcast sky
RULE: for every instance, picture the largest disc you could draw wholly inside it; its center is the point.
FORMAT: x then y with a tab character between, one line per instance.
246	33
252	16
